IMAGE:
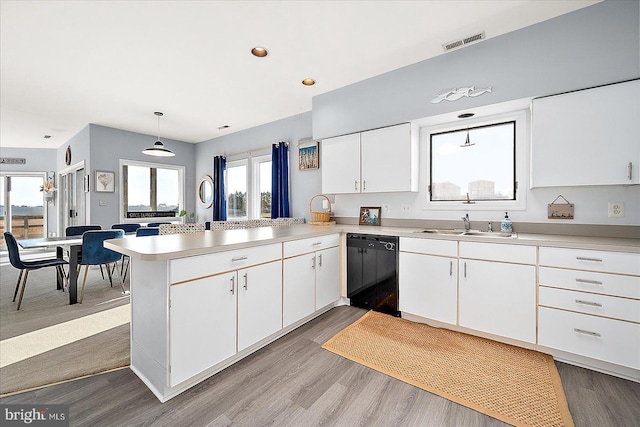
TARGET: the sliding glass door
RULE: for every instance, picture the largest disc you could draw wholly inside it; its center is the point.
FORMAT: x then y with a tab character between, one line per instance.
22	206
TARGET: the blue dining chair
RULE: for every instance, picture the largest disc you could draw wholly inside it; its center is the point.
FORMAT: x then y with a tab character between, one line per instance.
26	266
78	230
94	253
128	228
147	231
156	224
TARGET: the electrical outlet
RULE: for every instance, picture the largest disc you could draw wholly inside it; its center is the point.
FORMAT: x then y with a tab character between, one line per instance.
405	208
385	207
616	209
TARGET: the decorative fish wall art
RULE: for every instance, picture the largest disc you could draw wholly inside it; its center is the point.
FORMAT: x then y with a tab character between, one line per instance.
462	92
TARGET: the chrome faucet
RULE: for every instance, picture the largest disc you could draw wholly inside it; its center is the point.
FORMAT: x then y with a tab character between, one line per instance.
467	224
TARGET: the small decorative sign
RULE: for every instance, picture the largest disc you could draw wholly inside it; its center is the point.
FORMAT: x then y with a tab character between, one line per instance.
12	161
560	210
369	216
152	214
461	92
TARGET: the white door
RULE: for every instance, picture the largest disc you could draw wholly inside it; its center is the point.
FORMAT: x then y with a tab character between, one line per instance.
327	277
259	303
386	159
202	324
299	284
498	298
429	286
341	164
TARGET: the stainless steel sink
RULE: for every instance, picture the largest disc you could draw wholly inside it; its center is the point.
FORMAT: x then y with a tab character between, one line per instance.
475	233
434	231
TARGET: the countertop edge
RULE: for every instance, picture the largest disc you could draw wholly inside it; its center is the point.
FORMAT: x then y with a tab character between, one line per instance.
162	248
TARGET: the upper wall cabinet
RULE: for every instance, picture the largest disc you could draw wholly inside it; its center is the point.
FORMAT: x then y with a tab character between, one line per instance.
587	137
375	161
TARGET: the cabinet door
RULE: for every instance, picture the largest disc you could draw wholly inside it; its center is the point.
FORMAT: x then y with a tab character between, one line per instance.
429	286
341	164
587	137
202	325
498	298
327	277
389	159
299	287
259	303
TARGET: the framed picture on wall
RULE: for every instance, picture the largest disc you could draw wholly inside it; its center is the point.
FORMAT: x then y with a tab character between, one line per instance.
369	216
105	181
308	155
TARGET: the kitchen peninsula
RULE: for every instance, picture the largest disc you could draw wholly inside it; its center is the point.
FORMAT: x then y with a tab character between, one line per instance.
202	301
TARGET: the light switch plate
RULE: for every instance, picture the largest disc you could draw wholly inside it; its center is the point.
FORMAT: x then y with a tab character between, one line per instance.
103	203
616	209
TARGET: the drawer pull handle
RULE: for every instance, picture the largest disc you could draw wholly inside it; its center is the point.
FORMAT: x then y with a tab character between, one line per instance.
593	304
316	243
581	258
240	258
591	282
582	331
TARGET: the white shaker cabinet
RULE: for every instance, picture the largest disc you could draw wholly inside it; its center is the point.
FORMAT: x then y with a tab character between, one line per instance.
390	159
587	137
375	161
341	164
428	278
202	324
497	289
259	303
311	276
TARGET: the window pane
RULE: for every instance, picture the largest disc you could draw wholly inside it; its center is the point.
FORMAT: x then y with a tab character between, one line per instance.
484	169
265	190
138	183
168	190
237	192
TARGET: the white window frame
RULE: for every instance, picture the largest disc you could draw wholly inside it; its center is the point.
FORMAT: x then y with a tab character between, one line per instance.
253	162
522	147
181	187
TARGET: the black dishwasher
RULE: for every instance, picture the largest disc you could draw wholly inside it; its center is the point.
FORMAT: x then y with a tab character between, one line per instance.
372	272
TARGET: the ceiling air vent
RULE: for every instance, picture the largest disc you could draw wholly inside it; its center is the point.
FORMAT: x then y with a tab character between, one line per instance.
454	44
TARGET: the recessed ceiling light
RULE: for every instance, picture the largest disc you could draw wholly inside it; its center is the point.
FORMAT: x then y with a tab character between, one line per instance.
466	115
260	52
308	82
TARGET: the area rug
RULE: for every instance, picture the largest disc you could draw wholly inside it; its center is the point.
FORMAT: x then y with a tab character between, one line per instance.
515	385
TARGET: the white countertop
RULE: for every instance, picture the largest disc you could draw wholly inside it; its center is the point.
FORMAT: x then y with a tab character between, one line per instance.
160	248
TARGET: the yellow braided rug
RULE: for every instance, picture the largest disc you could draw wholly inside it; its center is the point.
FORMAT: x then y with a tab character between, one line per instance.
518	386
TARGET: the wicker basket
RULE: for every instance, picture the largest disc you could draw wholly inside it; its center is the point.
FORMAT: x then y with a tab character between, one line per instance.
320	216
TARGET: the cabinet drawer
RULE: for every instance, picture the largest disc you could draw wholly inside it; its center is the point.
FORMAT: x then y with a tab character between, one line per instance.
206	265
588	281
582	259
610	340
447	248
601	305
303	246
519	254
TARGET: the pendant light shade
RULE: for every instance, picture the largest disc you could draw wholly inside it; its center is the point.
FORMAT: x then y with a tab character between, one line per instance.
158	149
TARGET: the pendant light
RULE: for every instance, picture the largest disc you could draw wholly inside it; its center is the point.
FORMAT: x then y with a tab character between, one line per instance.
467	143
158	149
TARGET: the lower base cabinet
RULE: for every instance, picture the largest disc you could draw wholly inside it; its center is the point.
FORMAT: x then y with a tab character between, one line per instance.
498	298
213	318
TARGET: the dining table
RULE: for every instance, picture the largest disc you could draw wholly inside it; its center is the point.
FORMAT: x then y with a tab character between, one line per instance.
74	245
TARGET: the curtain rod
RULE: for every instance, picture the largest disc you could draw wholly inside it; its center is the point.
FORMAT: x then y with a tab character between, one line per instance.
255	150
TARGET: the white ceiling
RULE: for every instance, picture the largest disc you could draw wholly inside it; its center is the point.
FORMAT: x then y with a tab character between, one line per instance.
65	64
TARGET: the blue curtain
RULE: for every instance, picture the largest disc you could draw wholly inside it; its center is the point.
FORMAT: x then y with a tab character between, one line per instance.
280	180
219	203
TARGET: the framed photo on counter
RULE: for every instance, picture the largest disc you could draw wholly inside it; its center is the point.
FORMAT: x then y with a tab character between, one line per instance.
369	216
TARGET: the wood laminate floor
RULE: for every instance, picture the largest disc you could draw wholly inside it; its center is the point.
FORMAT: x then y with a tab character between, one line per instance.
294	382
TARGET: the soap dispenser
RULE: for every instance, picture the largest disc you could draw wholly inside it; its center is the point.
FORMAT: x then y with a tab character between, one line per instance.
506	226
